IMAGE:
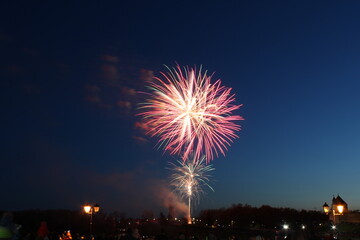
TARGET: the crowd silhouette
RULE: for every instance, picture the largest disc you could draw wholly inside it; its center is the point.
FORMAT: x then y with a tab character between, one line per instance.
10	230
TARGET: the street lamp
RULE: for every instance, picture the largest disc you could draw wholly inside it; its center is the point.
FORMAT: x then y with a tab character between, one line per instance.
87	208
326	208
337	208
340	209
90	210
286	228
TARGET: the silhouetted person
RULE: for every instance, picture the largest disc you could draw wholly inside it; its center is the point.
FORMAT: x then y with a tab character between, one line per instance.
299	235
132	234
181	236
161	236
43	232
8	230
211	236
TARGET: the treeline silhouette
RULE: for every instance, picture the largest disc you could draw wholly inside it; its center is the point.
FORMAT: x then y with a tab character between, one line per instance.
239	215
236	216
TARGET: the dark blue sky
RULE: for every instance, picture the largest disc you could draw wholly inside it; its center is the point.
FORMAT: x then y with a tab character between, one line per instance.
70	72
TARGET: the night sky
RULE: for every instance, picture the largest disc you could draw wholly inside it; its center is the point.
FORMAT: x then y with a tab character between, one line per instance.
71	72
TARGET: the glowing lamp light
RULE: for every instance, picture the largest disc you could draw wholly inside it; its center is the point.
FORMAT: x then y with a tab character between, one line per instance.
87	208
333	227
326	208
340	208
286	227
96	208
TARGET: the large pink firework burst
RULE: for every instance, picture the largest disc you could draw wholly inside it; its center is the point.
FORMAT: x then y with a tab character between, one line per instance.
190	114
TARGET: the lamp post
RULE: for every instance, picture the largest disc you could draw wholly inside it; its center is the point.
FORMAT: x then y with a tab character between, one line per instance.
90	210
286	229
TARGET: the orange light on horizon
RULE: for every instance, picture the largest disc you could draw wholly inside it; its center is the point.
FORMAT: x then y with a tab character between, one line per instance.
96	208
326	208
87	208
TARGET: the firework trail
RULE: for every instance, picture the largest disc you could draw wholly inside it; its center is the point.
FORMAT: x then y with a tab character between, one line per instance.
189	114
189	178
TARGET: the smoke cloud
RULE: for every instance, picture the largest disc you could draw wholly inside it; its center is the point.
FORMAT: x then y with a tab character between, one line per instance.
170	201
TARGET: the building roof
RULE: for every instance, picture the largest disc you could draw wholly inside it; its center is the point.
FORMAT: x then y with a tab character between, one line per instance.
338	200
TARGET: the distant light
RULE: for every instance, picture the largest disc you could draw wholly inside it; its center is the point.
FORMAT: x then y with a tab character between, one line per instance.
333	227
286	227
340	208
96	208
87	208
326	208
302	226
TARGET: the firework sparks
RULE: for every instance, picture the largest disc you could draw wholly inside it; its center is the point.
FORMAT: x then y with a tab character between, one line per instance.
189	178
191	115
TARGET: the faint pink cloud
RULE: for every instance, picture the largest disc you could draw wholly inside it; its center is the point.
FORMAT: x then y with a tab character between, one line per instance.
119	180
16	69
63	68
142	126
31	52
128	91
110	73
105	106
146	75
30	89
92	94
140	139
92	88
5	37
119	84
168	199
145	195
109	58
93	99
124	104
135	185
